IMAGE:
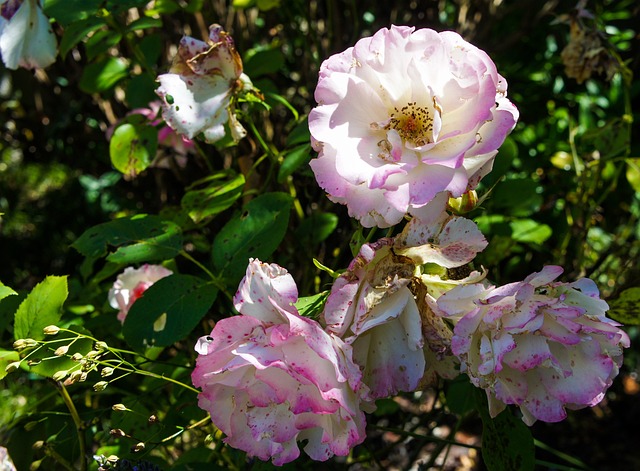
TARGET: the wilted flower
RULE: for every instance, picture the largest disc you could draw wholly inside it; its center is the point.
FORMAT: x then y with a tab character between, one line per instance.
372	308
404	115
383	304
198	90
26	37
544	346
131	284
586	53
270	377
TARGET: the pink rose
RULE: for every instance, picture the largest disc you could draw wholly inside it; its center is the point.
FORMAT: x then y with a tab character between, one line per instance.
131	284
402	116
271	378
544	346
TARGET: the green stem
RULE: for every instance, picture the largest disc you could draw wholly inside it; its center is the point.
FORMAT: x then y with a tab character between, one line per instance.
214	279
78	423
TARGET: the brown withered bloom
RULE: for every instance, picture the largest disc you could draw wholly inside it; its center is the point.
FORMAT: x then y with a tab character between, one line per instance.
587	51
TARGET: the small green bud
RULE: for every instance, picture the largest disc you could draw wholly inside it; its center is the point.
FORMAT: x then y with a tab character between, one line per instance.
100	386
51	330
74	377
60	375
106	371
61	350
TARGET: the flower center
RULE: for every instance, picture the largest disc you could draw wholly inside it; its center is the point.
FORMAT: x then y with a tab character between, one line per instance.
414	123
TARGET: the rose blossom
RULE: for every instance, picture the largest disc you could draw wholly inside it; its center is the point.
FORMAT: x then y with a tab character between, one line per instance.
131	284
544	346
403	115
198	90
382	306
26	37
372	308
270	377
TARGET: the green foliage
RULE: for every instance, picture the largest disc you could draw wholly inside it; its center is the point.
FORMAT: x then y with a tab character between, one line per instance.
5	291
256	232
168	311
507	443
42	307
626	308
212	195
133	147
140	238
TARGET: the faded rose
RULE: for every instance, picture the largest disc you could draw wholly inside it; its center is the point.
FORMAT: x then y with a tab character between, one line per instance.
197	92
404	115
544	346
26	37
271	378
131	284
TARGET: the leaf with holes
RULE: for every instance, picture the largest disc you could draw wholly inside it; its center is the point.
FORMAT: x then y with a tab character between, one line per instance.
168	311
507	443
140	238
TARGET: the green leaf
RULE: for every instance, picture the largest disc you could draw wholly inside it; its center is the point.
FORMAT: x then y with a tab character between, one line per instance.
311	306
77	31
299	134
6	357
293	160
263	60
151	48
507	443
164	7
133	147
101	41
139	91
242	4
140	238
6	291
8	308
168	311
103	75
219	193
145	23
517	197
316	228
626	308
42	307
76	344
528	231
633	173
256	232
66	12
460	395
